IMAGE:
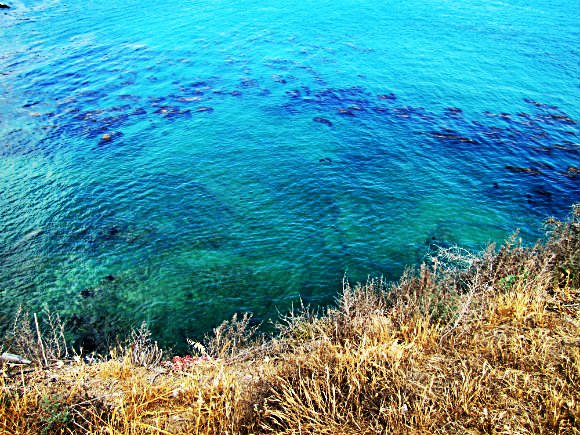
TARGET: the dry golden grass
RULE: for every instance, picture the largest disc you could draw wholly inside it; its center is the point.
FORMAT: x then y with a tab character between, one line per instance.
492	347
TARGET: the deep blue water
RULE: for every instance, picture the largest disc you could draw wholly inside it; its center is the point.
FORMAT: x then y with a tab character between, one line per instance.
177	162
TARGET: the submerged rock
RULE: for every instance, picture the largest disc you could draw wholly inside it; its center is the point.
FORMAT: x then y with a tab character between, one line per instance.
28	105
563	118
249	83
568	146
189	99
108	137
138	111
538	191
173	112
322	121
453	111
517	169
295	93
450	135
539	104
279	79
199	84
344	112
573	172
390	96
87	293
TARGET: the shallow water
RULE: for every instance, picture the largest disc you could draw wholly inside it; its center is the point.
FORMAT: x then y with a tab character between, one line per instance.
178	163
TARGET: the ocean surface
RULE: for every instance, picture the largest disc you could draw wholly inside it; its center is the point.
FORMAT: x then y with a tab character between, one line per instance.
177	162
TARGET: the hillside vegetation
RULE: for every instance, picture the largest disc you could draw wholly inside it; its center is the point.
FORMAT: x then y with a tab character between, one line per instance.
467	344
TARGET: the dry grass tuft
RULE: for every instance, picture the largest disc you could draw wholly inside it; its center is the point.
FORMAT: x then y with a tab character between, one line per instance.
38	338
486	344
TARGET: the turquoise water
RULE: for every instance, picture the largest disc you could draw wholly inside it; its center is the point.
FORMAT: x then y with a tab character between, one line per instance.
181	161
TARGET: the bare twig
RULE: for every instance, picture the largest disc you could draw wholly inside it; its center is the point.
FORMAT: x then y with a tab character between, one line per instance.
40	344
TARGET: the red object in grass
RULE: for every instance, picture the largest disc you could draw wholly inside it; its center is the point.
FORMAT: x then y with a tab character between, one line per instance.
181	363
